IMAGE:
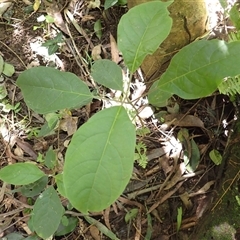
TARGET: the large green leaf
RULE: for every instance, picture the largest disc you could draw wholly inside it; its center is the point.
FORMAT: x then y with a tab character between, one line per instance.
196	71
108	73
47	213
141	30
109	3
99	160
21	173
47	89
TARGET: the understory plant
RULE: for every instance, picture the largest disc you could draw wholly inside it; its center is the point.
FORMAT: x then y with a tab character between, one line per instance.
99	159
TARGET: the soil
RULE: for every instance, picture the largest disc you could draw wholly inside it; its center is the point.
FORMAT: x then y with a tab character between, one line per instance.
160	190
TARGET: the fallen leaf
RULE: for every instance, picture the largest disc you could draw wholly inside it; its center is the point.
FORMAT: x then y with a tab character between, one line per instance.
55	13
177	176
114	50
184	121
186	200
18	152
94	232
27	148
4	6
96	52
36	5
69	125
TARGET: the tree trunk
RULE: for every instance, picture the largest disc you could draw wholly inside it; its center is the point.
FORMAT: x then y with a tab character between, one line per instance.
189	22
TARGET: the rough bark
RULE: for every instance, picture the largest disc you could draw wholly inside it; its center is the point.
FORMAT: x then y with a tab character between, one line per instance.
189	22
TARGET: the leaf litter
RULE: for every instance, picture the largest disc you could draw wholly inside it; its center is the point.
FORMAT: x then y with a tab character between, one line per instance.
156	191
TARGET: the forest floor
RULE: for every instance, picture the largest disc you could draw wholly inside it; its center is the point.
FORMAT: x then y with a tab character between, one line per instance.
166	185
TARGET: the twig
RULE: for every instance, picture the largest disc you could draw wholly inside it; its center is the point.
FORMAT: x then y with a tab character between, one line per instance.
13	53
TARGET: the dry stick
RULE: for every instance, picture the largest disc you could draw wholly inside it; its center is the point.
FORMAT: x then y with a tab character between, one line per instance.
14	54
4	229
3	215
73	51
165	197
225	191
78	28
150	189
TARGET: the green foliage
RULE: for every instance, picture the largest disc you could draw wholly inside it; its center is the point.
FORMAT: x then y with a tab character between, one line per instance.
140	155
20	173
98	29
107	73
196	71
6	68
110	3
235	15
47	90
47	213
139	33
230	86
35	188
130	215
99	160
66	226
50	158
215	156
53	44
179	218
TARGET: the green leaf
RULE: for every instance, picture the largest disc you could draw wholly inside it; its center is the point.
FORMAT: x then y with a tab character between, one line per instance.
196	71
98	29
14	236
8	69
122	2
47	89
33	189
130	215
21	173
60	186
223	3
52	49
47	213
99	160
65	229
195	156
235	15
3	91
141	30
108	73
50	158
1	64
109	3
179	218
216	156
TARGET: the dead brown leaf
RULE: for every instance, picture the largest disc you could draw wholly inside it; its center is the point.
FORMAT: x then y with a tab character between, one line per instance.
186	200
96	52
95	232
54	12
184	121
69	125
114	50
177	176
27	148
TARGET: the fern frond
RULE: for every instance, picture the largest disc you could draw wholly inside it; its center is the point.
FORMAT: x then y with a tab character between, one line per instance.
230	86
